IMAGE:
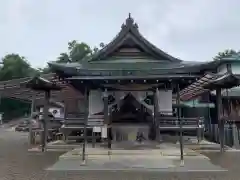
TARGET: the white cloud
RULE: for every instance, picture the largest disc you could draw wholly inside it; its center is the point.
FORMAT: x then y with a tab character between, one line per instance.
189	29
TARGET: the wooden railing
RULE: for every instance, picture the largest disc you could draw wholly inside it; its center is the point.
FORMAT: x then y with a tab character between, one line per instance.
74	115
174	122
79	120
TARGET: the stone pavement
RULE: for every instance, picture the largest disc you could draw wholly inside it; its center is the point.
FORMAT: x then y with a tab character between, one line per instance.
19	164
156	150
132	163
165	158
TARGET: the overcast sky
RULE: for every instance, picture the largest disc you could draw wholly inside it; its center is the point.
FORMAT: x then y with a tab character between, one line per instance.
192	30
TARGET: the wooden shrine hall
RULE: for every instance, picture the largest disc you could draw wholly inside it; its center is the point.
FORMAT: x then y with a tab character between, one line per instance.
128	87
130	91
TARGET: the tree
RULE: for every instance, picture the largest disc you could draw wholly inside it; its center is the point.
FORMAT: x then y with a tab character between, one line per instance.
15	66
63	58
225	54
76	52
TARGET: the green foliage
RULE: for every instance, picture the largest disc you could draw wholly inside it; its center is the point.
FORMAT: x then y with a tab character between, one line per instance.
63	58
15	66
76	52
13	108
225	54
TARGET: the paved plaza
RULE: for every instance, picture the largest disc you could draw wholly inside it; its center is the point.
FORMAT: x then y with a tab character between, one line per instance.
19	164
132	156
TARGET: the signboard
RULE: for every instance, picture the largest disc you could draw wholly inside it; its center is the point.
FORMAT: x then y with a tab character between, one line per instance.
104	132
165	100
96	129
1	122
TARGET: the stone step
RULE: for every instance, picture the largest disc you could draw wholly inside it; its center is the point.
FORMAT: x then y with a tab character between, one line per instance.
148	153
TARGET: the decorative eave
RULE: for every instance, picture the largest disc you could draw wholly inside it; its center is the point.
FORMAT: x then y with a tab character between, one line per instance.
226	81
40	84
156	78
130	28
196	88
208	83
76	69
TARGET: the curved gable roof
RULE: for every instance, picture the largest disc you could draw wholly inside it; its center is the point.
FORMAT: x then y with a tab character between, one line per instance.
130	31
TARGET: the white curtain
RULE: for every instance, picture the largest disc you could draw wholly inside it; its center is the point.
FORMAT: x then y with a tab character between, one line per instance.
140	96
164	101
95	102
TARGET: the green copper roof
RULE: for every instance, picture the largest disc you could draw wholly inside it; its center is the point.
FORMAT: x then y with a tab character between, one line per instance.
118	69
130	52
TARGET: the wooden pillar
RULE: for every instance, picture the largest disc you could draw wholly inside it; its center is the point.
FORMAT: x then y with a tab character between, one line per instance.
86	111
156	123
105	104
30	121
45	120
235	136
93	138
106	119
1	113
220	119
180	124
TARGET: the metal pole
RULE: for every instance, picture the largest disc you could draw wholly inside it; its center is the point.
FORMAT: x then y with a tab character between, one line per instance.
180	123
86	94
45	120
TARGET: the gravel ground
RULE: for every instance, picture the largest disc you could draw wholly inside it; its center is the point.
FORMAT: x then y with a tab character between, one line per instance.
18	164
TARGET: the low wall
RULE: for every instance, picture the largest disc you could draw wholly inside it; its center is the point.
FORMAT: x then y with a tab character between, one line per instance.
231	134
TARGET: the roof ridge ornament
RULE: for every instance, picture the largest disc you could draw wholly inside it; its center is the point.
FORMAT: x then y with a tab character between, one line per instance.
130	22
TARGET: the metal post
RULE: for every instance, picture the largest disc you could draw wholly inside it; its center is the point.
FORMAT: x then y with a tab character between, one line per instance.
180	123
86	97
220	120
45	120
